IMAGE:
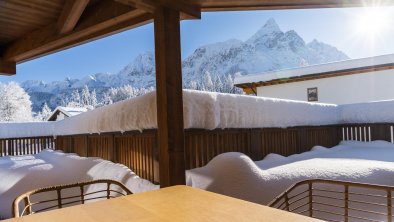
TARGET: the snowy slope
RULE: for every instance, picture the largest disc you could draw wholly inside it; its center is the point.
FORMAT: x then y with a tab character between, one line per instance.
235	174
268	49
48	168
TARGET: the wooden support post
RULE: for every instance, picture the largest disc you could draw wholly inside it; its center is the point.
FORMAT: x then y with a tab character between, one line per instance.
169	97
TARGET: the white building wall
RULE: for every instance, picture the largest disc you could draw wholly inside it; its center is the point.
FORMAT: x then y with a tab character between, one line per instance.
372	86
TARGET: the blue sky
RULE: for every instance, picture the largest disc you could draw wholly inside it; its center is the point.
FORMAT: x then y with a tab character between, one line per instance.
333	26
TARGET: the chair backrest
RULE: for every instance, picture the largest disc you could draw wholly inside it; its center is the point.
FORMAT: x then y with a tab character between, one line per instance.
338	200
44	199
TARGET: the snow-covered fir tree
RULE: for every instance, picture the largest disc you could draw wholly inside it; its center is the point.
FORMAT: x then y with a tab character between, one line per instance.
44	113
107	99
218	85
85	99
123	92
207	82
93	98
214	84
85	96
74	100
15	104
192	85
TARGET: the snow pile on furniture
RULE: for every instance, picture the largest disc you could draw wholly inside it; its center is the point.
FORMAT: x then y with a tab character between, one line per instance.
235	174
20	174
206	110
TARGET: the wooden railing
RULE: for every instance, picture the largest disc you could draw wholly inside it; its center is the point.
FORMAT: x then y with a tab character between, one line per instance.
136	150
139	150
25	146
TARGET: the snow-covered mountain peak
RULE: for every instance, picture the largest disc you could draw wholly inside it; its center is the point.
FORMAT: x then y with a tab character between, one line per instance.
268	31
271	25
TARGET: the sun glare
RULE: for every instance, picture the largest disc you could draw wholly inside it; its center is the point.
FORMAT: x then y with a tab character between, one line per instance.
371	23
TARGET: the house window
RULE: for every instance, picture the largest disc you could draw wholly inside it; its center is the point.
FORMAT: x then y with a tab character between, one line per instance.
312	94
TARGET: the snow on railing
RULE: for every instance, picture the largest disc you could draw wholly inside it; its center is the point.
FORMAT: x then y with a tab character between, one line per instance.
209	110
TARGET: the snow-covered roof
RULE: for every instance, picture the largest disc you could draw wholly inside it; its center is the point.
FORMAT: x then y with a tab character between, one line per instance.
72	111
67	111
357	65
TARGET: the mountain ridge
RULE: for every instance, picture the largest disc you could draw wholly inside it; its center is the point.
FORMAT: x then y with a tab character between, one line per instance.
268	49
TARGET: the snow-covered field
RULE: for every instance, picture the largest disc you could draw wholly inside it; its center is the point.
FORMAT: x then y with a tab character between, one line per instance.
24	173
235	174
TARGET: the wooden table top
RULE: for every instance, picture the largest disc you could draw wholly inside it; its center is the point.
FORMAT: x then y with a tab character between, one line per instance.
177	203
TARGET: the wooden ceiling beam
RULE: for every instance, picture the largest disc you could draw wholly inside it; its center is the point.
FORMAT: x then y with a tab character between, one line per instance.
146	5
7	68
70	15
99	20
187	9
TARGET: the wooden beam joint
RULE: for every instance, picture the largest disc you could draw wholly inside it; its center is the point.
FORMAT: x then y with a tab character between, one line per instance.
70	15
187	10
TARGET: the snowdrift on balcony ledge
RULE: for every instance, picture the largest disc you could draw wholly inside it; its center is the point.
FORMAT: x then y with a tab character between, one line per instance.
203	110
207	110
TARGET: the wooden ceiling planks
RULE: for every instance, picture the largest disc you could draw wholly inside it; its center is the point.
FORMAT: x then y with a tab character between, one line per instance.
19	17
104	15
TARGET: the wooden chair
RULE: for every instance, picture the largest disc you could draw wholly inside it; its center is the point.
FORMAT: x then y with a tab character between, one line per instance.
338	200
56	197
